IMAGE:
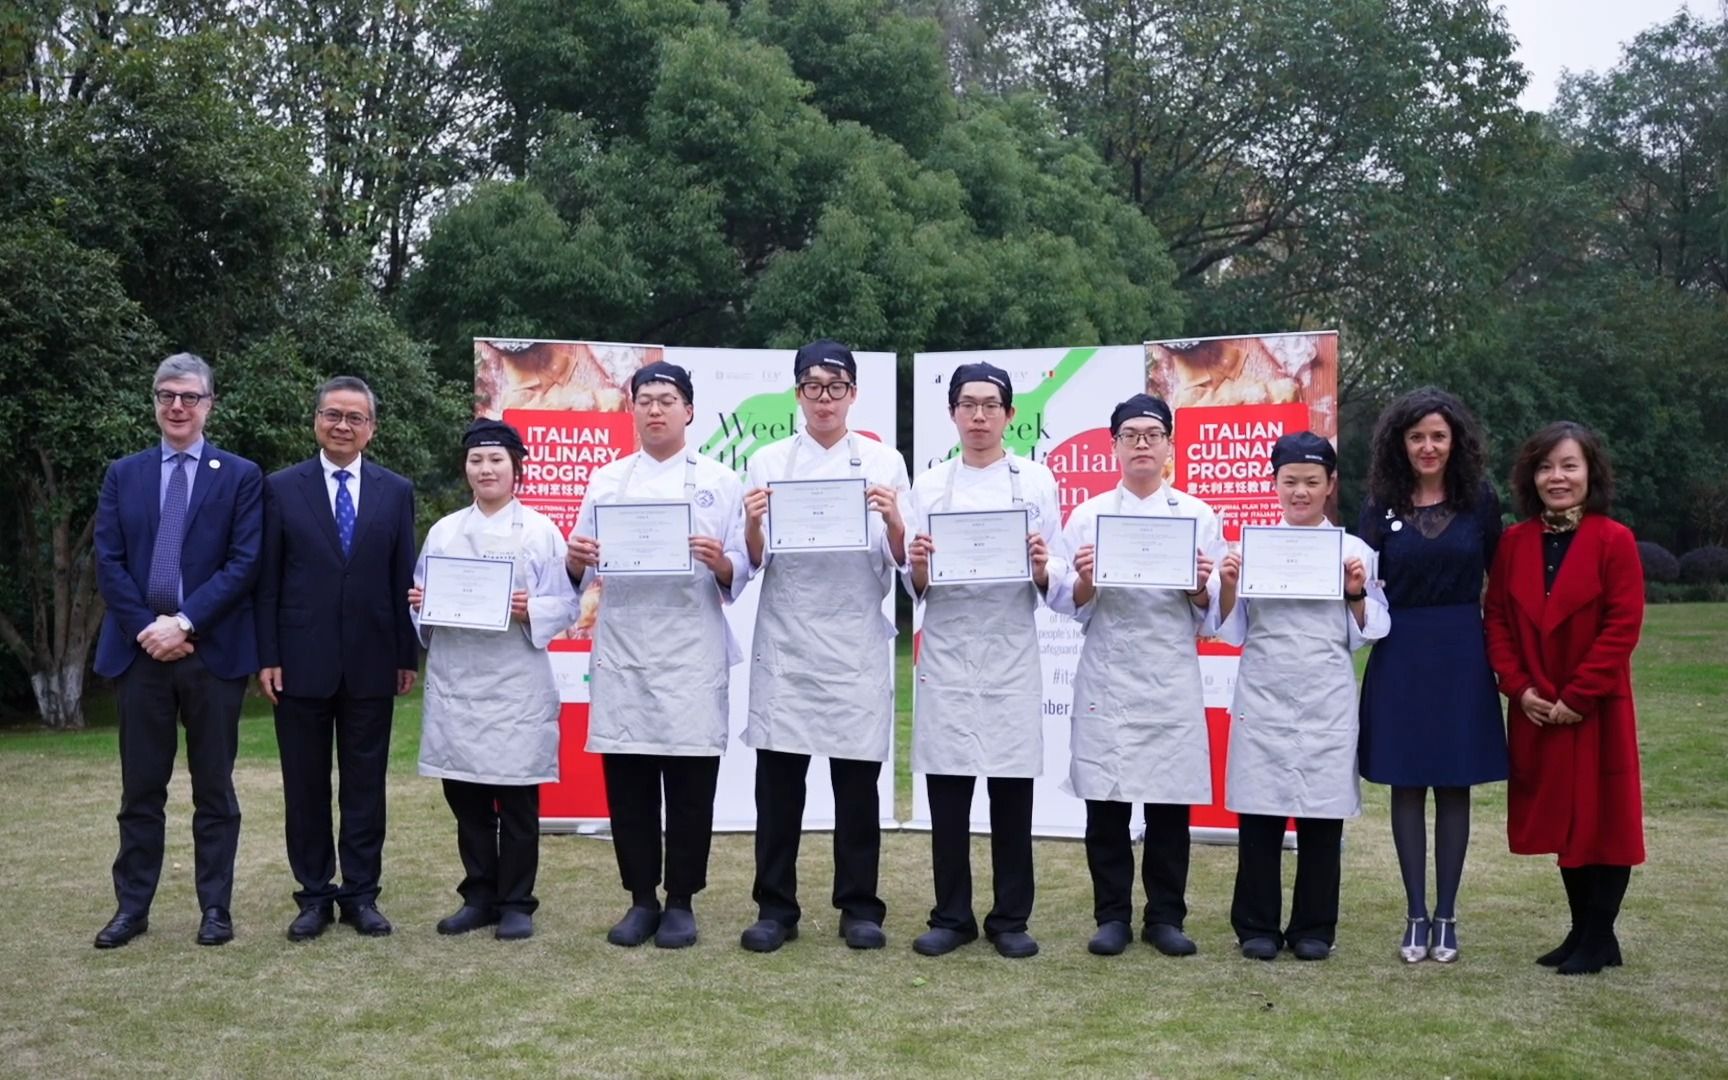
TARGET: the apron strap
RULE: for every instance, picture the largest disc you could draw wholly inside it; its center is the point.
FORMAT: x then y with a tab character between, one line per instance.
1013	481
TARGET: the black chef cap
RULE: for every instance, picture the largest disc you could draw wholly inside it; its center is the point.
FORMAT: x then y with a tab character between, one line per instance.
661	371
989	373
485	432
1141	405
825	352
1304	446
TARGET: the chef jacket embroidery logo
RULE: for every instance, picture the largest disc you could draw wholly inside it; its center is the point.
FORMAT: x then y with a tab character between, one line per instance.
1032	509
704	498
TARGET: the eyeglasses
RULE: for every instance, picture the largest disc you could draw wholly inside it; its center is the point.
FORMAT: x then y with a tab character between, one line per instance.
335	416
815	391
190	399
664	402
970	407
1150	439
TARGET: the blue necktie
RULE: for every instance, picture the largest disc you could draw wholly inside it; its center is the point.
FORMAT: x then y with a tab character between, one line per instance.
164	590
344	511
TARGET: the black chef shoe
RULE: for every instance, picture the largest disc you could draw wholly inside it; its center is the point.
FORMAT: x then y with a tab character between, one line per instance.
1260	948
1015	944
466	918
121	929
1169	940
217	928
1310	949
862	933
637	926
367	920
767	935
677	929
1111	939
940	941
311	921
514	926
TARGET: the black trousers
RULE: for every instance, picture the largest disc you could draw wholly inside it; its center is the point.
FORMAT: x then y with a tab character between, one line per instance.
154	698
780	825
1010	852
1259	894
498	837
634	784
1163	864
360	728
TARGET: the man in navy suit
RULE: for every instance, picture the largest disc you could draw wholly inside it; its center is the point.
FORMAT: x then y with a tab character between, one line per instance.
179	530
336	642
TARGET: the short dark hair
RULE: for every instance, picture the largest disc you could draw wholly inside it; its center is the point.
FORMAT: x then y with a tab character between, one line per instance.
1391	481
1598	470
352	383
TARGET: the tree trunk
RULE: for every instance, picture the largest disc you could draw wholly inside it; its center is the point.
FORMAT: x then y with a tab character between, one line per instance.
60	694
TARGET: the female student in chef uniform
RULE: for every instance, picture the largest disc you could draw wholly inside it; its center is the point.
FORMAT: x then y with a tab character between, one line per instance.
1139	716
490	727
1293	723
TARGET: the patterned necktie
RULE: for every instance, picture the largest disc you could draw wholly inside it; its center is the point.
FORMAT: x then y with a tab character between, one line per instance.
164	590
344	511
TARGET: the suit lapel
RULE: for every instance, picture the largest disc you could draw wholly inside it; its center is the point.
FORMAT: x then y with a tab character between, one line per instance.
316	492
1577	584
150	464
369	510
209	473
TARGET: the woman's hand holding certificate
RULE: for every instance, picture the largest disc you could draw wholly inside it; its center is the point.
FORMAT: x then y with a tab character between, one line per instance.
473	594
1149	552
643	537
975	546
817	515
1285	563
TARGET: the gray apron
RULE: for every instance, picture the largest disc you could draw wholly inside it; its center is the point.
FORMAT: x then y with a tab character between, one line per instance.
1293	723
658	677
1139	722
819	678
491	708
979	705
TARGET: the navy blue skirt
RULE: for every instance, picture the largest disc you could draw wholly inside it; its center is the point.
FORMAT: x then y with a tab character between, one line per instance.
1431	714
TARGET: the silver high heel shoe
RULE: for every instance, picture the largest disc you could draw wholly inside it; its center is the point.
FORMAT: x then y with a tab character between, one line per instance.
1439	953
1414	949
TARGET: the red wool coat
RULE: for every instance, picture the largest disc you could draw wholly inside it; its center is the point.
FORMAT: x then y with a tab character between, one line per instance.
1575	788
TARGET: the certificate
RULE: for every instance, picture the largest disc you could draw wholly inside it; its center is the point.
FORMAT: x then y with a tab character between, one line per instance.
1284	563
977	546
473	594
1149	552
644	537
817	515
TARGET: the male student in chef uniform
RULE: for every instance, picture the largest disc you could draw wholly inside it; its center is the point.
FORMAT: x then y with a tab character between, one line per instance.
1139	716
980	690
1293	722
661	662
819	676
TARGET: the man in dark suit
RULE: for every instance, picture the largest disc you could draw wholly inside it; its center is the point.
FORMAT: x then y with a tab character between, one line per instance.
178	533
335	642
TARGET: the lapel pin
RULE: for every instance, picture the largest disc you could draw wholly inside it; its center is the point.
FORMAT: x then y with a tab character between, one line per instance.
1397	525
214	464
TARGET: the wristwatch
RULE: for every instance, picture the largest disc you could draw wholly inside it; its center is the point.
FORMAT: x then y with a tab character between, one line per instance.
184	623
1352	597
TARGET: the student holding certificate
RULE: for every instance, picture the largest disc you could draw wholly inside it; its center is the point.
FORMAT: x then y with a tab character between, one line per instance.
819	675
662	650
1293	722
978	567
490	728
1139	717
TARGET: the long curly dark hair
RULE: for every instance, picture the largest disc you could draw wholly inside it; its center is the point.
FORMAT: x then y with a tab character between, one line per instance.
1391	480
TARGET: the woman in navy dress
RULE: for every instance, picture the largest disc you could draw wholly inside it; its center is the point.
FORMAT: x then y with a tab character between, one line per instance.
1430	714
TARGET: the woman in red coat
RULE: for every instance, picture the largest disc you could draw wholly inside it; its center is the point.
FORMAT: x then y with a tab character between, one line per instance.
1564	609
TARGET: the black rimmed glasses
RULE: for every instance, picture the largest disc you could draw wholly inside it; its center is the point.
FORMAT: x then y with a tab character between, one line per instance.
188	398
1150	439
834	391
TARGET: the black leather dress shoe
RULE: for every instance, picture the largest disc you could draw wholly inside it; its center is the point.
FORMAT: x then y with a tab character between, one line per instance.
1260	948
1311	949
636	927
1015	945
940	941
862	933
1111	939
121	929
515	926
217	928
367	920
467	918
311	921
677	929
766	935
1169	940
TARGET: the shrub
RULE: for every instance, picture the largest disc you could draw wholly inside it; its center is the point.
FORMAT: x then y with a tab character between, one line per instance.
1656	592
1704	566
1659	563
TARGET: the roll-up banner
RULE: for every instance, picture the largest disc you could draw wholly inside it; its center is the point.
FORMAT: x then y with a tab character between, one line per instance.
570	401
1232	396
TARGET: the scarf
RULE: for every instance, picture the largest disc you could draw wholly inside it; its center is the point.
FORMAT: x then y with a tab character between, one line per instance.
1562	521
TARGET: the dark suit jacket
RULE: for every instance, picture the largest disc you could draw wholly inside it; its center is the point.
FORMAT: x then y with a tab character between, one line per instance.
324	619
218	558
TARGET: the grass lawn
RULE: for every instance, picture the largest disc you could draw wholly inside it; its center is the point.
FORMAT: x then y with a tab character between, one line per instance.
566	1002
